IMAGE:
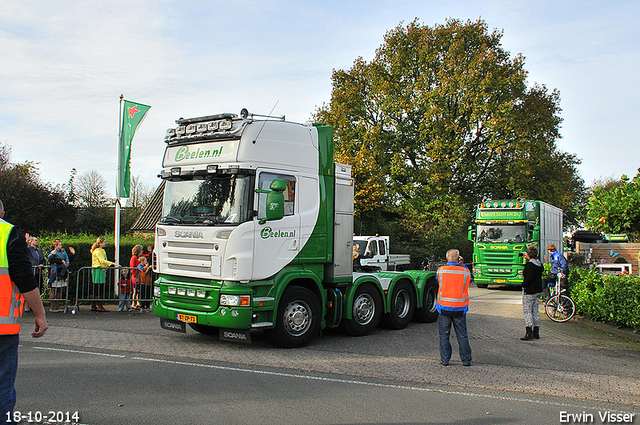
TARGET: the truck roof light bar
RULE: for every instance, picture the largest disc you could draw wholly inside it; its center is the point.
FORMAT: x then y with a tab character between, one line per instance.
212	127
209	127
216	117
517	204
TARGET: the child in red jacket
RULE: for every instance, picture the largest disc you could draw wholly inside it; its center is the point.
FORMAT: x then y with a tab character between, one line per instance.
125	288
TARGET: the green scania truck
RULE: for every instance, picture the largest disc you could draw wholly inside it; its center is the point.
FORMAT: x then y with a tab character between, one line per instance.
503	230
257	233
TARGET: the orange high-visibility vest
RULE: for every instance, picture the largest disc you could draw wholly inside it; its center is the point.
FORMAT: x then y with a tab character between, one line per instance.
453	290
11	300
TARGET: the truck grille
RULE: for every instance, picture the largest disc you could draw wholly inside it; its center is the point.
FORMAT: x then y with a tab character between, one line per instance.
190	245
196	259
496	257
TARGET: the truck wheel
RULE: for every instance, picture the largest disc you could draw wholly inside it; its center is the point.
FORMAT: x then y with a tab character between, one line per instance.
298	318
366	311
428	313
482	285
204	329
403	305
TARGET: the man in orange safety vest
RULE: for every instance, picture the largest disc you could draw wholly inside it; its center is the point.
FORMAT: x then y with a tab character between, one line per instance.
452	304
17	285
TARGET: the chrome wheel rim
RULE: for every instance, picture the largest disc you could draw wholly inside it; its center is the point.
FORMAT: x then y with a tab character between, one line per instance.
297	318
363	309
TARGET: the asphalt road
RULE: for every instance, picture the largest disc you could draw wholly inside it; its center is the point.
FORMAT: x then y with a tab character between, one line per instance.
118	368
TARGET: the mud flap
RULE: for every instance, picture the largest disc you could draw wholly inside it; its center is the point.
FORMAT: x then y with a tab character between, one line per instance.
173	325
235	335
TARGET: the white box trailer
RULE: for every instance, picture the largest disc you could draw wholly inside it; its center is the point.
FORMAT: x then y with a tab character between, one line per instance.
550	230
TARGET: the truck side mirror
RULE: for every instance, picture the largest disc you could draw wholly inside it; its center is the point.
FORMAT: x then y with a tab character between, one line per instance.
536	233
275	200
471	235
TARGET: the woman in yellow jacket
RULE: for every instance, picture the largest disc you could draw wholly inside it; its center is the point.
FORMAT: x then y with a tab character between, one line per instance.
98	273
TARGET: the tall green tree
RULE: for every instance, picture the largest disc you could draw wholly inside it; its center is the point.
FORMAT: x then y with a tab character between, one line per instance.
442	118
615	207
30	204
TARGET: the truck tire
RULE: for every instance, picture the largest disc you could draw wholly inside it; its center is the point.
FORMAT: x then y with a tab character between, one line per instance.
402	306
428	313
366	311
482	285
204	329
298	318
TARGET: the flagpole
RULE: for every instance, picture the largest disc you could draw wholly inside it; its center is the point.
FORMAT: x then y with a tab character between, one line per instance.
116	231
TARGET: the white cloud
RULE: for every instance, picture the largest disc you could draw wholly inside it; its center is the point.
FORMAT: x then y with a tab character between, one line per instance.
65	64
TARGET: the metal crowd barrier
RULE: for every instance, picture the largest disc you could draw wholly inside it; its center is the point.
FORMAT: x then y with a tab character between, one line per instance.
88	291
56	292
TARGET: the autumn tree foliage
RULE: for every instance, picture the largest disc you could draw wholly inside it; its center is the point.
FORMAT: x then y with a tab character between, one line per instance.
441	119
29	203
615	207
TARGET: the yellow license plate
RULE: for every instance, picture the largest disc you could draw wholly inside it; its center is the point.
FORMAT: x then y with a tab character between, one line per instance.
499	280
187	318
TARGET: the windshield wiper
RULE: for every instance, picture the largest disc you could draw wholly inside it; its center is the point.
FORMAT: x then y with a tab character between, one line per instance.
199	220
170	219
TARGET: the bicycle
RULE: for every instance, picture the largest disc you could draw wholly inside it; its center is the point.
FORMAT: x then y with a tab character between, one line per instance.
559	307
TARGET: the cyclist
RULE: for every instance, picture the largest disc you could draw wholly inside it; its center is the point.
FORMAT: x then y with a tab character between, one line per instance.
531	293
559	266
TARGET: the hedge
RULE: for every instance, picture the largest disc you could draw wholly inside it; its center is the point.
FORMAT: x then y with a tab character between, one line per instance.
82	245
612	299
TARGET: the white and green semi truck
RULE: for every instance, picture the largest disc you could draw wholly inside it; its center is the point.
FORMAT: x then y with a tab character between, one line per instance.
257	233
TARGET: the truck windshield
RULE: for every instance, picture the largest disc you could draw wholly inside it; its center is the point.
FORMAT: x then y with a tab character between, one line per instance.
365	249
220	199
501	233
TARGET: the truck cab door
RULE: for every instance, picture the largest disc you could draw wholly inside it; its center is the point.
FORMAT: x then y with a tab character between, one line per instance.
383	254
372	252
276	242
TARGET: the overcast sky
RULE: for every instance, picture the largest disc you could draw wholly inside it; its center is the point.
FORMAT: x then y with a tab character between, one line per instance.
65	64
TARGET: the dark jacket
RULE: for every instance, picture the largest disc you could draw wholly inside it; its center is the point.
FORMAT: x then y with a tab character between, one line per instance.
19	263
36	256
532	283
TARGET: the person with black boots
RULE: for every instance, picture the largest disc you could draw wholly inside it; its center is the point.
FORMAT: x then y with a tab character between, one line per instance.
531	293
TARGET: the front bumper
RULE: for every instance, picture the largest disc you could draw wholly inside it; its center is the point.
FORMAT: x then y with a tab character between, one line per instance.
179	301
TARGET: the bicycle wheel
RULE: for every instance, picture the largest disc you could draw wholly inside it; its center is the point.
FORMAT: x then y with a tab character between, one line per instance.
560	308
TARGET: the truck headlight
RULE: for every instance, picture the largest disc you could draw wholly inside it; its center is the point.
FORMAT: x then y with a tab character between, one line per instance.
235	300
156	291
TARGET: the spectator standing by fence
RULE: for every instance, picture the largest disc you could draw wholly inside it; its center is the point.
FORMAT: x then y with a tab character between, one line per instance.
145	278
149	254
38	262
98	274
59	279
125	288
136	251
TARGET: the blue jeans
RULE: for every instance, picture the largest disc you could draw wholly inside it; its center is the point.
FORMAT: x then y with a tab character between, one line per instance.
8	368
444	328
57	269
125	301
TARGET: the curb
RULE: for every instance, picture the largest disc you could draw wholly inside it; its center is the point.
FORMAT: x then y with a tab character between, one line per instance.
621	331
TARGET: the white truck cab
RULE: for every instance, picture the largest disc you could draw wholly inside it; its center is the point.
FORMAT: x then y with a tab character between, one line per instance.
373	251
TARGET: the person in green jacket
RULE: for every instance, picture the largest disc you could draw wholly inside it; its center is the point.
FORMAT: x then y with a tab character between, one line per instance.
98	274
